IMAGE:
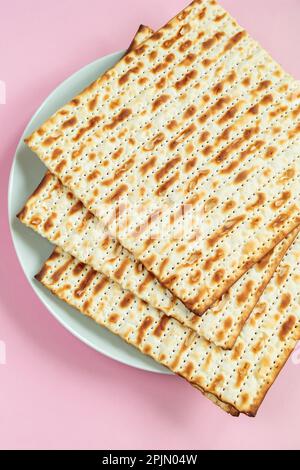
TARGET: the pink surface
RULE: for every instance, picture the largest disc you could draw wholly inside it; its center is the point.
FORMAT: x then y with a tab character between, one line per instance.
55	391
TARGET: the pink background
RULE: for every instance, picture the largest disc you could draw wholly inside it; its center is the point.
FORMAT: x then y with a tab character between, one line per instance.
55	392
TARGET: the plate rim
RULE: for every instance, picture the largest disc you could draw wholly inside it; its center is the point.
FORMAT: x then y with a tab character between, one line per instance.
11	216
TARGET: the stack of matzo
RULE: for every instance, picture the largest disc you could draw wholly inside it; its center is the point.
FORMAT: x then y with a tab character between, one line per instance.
173	197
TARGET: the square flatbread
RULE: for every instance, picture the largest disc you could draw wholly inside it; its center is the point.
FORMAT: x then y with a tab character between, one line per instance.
187	151
239	378
53	212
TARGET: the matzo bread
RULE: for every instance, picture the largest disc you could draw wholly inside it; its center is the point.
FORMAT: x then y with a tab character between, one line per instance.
143	33
56	214
199	117
52	202
241	377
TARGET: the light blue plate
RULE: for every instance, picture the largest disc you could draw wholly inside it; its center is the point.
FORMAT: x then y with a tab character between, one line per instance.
27	171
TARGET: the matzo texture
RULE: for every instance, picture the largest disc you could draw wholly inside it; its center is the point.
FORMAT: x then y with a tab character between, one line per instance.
199	120
240	377
53	212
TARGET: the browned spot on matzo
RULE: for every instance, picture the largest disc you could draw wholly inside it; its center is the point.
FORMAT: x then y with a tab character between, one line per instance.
122	116
86	281
92	123
286	327
146	323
